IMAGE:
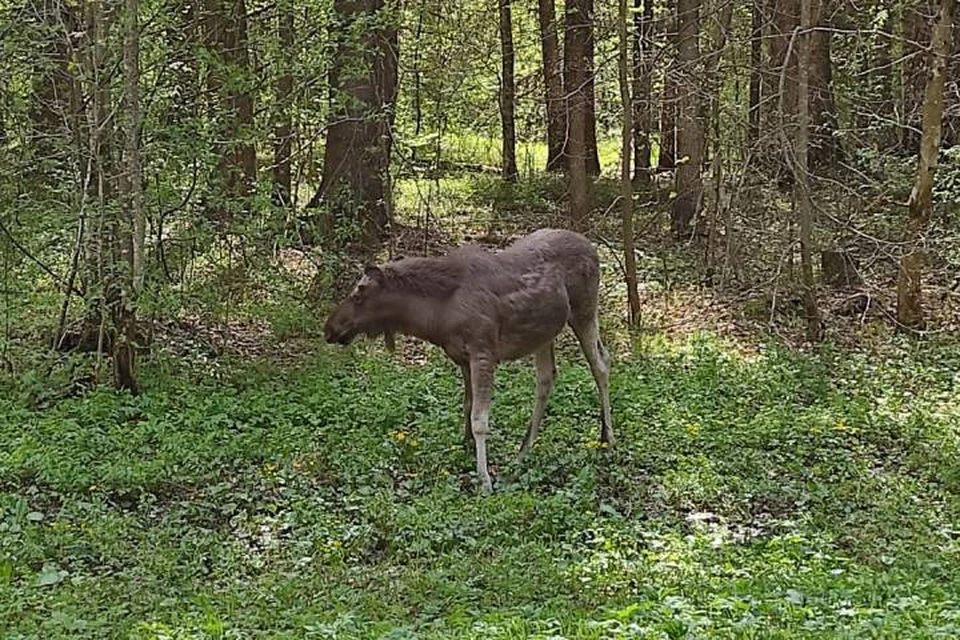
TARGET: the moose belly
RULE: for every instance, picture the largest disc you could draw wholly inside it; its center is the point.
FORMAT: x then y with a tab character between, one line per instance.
533	317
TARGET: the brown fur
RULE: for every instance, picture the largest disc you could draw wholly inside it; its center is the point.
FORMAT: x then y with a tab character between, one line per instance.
483	308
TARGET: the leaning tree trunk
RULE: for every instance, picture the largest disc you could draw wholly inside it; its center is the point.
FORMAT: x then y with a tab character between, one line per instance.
507	94
576	41
283	132
690	129
626	185
642	80
356	160
801	166
909	294
553	82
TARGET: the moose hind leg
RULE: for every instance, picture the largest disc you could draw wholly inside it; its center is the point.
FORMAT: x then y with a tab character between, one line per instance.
546	374
468	442
588	333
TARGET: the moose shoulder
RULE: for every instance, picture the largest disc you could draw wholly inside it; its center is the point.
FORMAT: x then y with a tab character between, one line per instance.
484	308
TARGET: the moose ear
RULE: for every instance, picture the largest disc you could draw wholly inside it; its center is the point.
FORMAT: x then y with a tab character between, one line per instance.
374	273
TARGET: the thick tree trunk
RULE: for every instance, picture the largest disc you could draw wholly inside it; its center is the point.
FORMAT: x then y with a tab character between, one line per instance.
230	86
824	145
55	127
626	185
690	127
578	59
670	99
553	81
782	82
507	94
802	198
756	61
283	132
909	293
356	162
642	105
576	39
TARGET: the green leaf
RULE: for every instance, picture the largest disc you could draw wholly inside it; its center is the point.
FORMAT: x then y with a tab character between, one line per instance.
50	575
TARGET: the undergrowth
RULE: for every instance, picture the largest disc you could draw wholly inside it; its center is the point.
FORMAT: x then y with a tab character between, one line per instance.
777	495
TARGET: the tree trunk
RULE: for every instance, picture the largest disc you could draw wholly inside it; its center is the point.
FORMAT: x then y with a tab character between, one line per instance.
642	106
240	172
283	132
507	94
824	145
230	86
553	81
626	185
575	75
756	48
883	61
910	311
802	198
669	101
592	150
130	227
690	127
915	39
356	161
782	79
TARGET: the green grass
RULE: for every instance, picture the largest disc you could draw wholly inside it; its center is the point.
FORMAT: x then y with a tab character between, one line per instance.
776	496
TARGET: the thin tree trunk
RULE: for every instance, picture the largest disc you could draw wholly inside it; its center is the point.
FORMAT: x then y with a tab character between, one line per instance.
283	133
130	227
910	312
883	58
575	71
592	150
642	105
914	36
669	102
756	60
802	201
507	94
690	129
553	82
626	185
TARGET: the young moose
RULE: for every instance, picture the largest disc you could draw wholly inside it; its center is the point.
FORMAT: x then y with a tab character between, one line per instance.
484	308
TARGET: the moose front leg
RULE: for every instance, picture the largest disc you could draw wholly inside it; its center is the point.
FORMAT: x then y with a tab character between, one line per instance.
481	378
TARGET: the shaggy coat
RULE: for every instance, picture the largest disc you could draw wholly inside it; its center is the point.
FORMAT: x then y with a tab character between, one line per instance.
484	308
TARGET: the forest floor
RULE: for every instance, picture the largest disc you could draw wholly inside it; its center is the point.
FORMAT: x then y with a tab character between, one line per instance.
267	485
752	493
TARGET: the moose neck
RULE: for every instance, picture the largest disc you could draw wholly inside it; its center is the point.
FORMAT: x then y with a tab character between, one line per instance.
412	314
